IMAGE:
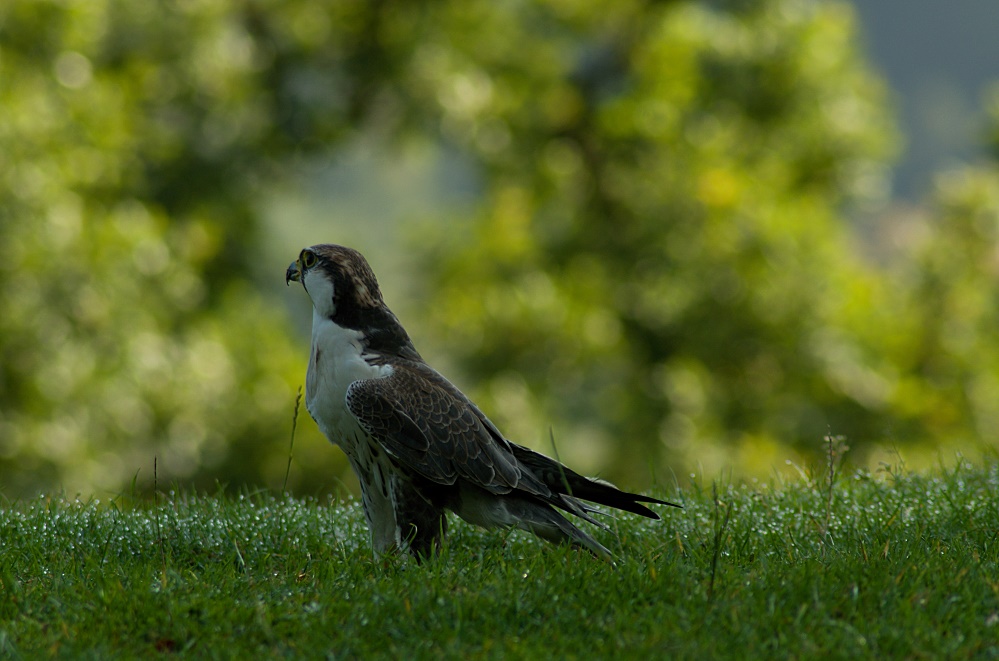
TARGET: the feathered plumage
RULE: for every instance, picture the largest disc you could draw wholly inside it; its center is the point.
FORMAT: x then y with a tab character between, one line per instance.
418	445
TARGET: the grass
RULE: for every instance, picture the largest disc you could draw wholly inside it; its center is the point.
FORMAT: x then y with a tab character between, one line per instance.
890	565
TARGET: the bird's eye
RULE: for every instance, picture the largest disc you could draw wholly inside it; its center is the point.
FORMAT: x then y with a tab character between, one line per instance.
309	259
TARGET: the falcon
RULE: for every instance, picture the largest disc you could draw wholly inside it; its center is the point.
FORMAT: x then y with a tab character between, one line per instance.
418	445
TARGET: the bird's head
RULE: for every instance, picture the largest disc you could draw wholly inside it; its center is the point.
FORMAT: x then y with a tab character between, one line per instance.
337	279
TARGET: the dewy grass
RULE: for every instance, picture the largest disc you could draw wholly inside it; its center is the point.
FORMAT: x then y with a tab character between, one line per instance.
894	566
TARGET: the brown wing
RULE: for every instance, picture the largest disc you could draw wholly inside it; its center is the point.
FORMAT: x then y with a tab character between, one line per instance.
428	425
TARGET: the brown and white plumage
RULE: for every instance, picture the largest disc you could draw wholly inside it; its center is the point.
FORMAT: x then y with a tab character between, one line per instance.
418	445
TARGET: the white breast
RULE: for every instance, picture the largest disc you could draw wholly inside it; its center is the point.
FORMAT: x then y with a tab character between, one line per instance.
336	362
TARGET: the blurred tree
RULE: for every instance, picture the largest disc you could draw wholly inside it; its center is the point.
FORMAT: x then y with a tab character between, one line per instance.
658	265
662	261
945	353
134	138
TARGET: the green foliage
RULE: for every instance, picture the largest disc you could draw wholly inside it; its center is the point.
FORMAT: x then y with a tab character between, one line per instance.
111	357
658	264
661	257
872	566
134	137
663	267
946	357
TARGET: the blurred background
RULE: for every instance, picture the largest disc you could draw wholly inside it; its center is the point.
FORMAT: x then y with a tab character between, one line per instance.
686	237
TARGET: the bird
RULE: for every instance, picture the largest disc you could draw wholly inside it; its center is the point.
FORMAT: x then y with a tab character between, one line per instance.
418	445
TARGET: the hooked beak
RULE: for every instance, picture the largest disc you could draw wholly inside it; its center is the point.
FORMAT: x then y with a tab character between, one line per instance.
294	273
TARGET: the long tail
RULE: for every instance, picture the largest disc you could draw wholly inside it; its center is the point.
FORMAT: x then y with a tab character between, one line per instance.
563	480
544	521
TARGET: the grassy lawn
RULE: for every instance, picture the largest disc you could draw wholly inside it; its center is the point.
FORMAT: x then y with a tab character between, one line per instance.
879	566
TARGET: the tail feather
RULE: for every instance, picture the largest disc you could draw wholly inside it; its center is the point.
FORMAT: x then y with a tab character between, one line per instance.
545	522
563	480
534	511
